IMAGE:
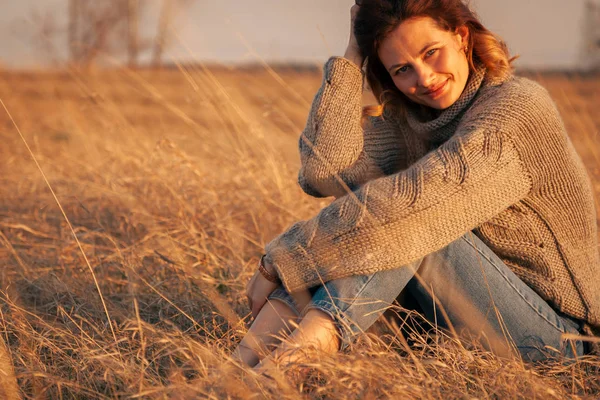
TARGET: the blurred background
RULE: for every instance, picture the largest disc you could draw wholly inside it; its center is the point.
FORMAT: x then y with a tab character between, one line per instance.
548	34
172	180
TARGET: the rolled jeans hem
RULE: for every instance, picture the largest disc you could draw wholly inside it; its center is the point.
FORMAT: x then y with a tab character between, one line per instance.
345	332
279	294
346	329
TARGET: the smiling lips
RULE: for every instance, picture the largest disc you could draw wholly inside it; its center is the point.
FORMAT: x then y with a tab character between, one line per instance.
436	91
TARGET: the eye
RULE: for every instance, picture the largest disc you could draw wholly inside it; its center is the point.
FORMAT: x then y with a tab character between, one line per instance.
401	70
430	52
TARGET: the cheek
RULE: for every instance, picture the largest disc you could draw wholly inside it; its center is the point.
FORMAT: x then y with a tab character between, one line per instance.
405	86
461	65
445	62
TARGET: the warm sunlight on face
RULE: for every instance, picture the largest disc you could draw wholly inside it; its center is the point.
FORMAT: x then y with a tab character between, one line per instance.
427	64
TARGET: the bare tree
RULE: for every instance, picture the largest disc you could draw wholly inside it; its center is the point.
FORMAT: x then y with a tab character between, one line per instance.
164	22
592	33
74	7
99	27
163	38
44	35
133	33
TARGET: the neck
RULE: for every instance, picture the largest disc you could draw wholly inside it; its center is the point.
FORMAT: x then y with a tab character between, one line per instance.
438	125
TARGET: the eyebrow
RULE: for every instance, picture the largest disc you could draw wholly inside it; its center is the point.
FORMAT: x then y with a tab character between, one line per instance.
420	52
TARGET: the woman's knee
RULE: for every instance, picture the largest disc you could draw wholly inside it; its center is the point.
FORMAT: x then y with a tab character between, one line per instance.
447	264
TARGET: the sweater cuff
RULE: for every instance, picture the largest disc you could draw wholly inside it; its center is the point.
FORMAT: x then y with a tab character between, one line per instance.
281	257
339	69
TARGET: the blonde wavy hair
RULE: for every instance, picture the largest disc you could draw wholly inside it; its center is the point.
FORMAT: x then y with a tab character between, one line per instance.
378	18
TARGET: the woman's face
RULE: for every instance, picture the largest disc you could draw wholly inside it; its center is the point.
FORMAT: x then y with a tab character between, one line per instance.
427	64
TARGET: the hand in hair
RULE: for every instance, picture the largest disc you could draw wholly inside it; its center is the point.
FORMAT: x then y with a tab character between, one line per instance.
352	52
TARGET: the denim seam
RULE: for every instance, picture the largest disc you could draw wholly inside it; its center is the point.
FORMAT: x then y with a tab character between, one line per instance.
357	296
286	302
512	285
354	297
325	307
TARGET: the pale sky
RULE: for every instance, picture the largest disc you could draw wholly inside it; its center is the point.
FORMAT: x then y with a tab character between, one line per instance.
546	33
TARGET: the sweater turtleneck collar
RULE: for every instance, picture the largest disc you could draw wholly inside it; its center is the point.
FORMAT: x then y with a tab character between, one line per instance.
443	125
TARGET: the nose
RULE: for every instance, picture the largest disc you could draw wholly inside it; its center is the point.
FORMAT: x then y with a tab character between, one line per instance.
424	75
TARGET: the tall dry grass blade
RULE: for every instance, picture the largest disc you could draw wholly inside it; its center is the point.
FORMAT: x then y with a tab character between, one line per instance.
8	382
303	137
165	298
66	219
571	336
272	72
9	246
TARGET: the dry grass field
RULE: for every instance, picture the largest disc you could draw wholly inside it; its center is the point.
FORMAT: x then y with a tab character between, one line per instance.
172	182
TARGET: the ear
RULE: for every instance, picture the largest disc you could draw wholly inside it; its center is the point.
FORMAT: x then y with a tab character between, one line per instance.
462	33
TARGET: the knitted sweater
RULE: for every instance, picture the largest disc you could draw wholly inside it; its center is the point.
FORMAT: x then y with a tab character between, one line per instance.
498	162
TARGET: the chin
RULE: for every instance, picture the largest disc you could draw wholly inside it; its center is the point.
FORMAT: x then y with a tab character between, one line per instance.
443	102
438	104
442	105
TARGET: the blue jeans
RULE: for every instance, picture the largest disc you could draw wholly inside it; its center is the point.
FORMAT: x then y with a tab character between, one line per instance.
465	287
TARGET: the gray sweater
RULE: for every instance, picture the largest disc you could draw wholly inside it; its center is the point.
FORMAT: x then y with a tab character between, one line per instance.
498	162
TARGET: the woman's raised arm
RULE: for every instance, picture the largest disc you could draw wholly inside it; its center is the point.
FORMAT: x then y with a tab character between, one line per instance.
337	152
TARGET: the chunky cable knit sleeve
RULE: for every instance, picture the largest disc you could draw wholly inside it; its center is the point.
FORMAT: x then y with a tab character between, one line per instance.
393	220
338	153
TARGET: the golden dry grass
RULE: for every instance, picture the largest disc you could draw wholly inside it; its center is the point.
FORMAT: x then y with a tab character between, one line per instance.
174	181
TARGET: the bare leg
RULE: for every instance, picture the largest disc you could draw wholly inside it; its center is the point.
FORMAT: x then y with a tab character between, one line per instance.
317	330
274	320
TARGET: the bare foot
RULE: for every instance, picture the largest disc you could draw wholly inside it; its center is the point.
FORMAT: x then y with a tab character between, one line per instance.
316	332
275	319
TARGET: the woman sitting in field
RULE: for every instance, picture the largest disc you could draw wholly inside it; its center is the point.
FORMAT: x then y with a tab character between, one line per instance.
461	189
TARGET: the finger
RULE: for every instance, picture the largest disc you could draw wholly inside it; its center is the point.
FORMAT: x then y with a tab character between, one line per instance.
255	309
353	14
257	306
249	289
249	284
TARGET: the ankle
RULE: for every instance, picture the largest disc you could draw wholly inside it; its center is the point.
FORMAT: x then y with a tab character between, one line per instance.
245	355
